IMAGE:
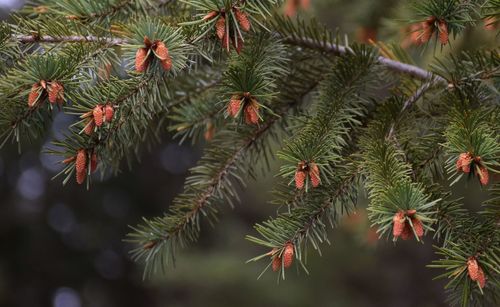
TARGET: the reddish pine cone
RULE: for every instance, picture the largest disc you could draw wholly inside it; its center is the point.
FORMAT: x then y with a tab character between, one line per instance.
464	161
234	106
35	93
80	177
418	227
407	232
252	112
56	92
443	32
98	115
209	132
416	33
288	255
242	19
314	174
81	161
141	60
399	222
108	113
210	15
300	178
220	28
490	23
483	174
89	127
476	273
427	29
276	265
161	52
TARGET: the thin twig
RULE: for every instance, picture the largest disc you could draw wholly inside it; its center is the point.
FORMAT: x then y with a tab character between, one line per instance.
400	67
404	68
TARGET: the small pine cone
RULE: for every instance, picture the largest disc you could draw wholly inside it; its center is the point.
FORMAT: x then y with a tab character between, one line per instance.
242	19
288	255
161	51
490	23
167	64
220	28
34	95
427	29
141	60
252	113
407	232
89	127
291	7
80	176
210	15
305	4
81	161
411	212
463	162
443	32
418	227
314	174
483	174
108	113
398	224
416	33
234	106
56	92
472	268
481	278
93	162
276	265
98	114
300	178
210	132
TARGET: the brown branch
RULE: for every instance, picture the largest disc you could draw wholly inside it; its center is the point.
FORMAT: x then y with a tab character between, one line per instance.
397	66
68	39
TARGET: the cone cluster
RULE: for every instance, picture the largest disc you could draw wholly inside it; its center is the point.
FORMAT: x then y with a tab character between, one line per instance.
475	272
305	169
467	160
402	227
152	49
422	32
97	117
222	27
286	258
248	104
53	90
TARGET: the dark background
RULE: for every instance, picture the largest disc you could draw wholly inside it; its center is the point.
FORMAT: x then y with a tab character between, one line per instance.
63	246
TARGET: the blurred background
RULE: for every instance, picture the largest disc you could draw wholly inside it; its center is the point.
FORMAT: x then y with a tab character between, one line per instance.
63	247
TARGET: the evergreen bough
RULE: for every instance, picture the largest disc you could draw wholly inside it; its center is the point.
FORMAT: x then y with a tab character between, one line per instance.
244	78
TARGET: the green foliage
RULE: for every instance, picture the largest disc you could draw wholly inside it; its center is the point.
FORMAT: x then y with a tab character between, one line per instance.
320	99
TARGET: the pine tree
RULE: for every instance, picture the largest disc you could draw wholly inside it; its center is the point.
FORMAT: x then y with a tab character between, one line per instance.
241	77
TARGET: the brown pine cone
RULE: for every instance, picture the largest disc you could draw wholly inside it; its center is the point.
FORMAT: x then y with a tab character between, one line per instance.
314	174
288	255
242	19
141	60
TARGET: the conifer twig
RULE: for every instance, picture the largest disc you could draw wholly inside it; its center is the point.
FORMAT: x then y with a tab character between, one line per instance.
404	68
397	66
